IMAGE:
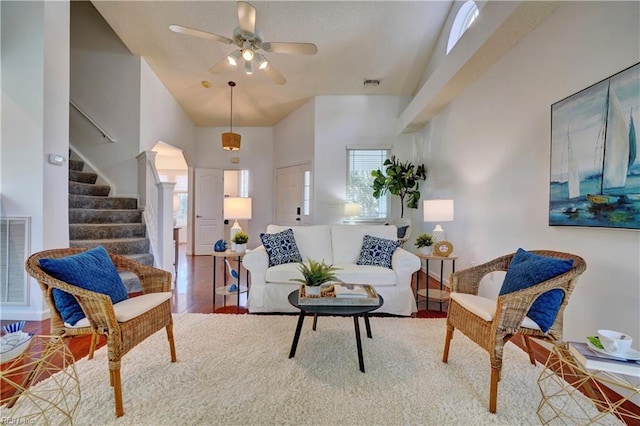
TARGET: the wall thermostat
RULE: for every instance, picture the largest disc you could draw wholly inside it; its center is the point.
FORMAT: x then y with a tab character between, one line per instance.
56	159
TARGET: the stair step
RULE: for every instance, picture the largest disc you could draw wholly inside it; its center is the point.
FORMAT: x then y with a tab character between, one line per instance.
130	281
80	188
85	177
76	165
97	231
92	202
115	245
104	216
144	258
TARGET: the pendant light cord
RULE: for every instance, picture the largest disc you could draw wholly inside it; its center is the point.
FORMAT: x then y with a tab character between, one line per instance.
231	84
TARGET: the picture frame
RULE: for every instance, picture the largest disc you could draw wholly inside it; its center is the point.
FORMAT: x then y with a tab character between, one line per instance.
594	163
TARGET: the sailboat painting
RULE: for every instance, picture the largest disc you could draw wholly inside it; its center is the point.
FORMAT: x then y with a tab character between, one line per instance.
595	166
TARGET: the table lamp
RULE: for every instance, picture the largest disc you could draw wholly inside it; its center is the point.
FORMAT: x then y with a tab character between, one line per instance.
438	211
351	210
236	208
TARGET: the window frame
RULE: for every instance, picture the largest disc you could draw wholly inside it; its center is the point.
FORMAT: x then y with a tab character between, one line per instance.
383	201
465	17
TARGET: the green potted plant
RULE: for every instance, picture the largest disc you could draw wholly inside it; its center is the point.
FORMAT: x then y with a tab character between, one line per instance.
401	179
240	240
315	274
424	242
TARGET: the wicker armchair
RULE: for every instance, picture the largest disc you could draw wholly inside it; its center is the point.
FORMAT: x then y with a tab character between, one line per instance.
493	323
144	315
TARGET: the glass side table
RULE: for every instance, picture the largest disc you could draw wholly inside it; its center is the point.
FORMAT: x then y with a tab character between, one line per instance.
28	397
571	394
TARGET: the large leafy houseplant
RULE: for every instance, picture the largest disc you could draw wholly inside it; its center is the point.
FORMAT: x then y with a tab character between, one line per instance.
401	179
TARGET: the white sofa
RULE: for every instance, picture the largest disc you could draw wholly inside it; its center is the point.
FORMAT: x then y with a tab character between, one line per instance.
338	245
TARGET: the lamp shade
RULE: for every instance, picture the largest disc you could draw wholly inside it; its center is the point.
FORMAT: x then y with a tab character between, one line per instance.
237	208
231	141
352	209
438	210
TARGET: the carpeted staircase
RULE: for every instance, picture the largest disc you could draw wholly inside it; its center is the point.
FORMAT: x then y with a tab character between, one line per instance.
113	222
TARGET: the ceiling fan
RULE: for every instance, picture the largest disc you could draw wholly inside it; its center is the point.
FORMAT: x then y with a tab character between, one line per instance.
249	41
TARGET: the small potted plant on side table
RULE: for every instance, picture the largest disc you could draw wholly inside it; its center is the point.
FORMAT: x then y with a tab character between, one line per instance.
240	240
424	243
315	274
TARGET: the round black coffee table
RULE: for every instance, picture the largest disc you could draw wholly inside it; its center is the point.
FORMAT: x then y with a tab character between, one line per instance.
354	311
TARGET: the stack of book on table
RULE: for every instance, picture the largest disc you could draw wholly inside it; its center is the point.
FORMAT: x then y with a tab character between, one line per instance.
344	294
592	357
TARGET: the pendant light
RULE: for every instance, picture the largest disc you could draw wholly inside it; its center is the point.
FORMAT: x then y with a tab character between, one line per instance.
230	140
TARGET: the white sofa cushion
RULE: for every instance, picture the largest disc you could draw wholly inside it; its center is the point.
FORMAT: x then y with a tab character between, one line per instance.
376	276
349	273
313	241
130	308
346	240
485	308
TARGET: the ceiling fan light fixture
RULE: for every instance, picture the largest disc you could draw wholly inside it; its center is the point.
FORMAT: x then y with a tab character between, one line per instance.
248	67
234	57
247	51
230	140
262	61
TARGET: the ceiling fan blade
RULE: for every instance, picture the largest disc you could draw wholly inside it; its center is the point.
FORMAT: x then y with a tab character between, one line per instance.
197	33
274	74
247	17
220	66
295	48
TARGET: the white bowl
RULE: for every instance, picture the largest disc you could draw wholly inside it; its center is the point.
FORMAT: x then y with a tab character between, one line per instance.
13	344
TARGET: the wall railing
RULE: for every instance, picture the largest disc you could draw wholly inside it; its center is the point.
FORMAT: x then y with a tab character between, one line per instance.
104	133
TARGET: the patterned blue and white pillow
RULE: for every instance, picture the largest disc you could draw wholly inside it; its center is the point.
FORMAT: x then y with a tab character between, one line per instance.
281	247
377	251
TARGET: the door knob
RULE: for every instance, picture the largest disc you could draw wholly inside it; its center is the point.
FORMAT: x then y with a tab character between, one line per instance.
297	218
198	216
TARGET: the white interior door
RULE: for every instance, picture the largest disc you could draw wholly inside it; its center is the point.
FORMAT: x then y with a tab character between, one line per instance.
208	210
289	195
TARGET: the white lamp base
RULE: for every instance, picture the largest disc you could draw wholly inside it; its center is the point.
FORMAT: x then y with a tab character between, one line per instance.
438	234
232	233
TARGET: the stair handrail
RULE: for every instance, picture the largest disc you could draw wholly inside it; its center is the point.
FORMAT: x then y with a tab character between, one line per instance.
104	133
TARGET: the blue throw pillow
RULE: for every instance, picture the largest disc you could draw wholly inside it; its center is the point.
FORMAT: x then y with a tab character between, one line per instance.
528	269
91	270
377	251
402	230
281	247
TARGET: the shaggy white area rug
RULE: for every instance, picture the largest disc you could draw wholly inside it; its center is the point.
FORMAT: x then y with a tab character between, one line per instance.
235	370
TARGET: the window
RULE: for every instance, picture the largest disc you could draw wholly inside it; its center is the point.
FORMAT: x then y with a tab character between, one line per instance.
464	18
360	164
306	197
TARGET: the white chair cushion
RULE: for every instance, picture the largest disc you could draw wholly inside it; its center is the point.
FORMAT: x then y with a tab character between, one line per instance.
485	308
131	308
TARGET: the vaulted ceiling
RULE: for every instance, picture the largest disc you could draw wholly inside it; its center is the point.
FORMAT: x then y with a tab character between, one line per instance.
386	40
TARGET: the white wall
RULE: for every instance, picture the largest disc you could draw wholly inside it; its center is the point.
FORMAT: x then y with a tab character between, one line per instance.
255	155
294	137
162	118
348	121
105	82
35	86
489	151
